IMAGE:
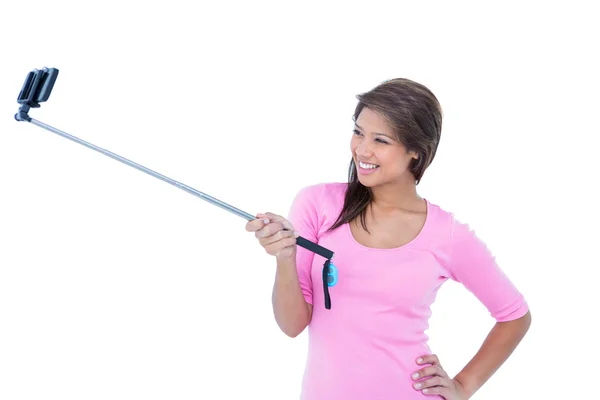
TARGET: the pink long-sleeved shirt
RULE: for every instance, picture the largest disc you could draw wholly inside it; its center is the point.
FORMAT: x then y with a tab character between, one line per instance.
365	346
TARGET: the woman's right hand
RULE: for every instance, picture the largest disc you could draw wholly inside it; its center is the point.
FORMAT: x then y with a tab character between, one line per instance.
277	236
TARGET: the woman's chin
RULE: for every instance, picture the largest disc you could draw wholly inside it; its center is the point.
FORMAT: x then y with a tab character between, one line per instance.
367	180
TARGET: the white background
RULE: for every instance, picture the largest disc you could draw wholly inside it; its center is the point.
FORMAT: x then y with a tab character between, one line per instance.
116	285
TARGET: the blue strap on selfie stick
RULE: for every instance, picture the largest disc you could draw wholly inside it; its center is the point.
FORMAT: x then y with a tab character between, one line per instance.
37	88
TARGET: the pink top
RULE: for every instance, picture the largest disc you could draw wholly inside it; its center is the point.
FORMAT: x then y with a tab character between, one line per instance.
366	345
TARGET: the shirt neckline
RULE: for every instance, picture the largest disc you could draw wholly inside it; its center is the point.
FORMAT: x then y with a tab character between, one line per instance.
404	246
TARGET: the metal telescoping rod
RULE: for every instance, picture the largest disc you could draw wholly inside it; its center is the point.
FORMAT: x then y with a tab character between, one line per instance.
117	157
328	254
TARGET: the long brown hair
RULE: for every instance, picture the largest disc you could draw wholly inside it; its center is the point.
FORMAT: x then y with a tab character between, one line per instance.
415	116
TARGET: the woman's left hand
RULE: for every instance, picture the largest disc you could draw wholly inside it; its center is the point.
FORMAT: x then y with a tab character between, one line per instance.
437	381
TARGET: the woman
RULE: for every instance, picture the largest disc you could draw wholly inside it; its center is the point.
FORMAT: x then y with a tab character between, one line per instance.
393	250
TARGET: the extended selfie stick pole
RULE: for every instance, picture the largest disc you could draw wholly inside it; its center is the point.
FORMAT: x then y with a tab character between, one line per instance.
37	88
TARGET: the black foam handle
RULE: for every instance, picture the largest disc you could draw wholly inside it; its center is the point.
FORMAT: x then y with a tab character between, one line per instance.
315	248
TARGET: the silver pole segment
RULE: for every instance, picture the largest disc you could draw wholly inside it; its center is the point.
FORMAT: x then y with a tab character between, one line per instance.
180	185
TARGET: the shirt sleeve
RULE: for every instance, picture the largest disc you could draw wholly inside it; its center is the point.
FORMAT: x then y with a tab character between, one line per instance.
472	264
304	216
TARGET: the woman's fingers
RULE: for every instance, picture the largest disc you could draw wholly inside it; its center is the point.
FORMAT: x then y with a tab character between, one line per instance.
276	223
278	218
256	224
279	247
279	234
274	233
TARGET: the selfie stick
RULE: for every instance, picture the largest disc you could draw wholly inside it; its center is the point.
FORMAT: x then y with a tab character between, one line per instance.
37	88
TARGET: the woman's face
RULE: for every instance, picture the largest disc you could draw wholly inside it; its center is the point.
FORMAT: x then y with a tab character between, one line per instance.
379	157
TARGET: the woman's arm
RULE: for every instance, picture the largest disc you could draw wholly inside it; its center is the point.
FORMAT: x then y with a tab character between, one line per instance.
292	312
495	350
472	263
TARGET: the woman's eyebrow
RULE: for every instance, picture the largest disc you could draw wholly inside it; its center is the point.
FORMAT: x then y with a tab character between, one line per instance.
375	133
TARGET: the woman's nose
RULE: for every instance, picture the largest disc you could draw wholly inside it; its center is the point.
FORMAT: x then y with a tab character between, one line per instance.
363	150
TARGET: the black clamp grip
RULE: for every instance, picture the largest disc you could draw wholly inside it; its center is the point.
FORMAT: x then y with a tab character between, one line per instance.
36	89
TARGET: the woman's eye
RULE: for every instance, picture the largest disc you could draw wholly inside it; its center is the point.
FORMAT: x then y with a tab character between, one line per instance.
377	140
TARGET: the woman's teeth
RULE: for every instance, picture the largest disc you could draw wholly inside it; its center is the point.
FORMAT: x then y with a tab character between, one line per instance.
367	166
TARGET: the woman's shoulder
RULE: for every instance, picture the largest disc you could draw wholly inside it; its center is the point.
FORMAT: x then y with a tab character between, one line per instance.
445	227
325	187
325	195
319	202
438	214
